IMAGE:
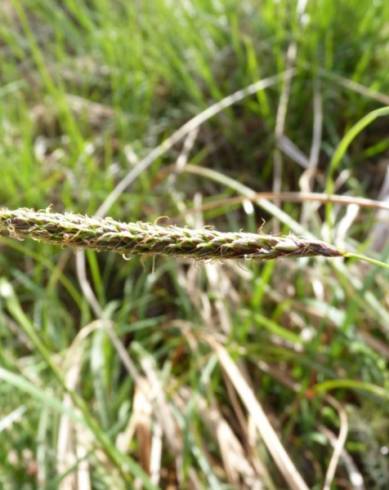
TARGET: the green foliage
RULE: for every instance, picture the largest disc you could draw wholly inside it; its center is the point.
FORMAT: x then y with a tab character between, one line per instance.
89	87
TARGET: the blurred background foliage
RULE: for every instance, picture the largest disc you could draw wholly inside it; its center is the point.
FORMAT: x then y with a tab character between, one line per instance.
87	89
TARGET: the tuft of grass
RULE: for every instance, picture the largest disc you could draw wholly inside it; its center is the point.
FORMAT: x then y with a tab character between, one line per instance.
157	372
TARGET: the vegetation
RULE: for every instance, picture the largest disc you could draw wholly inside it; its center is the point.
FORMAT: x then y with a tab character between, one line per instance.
170	373
131	239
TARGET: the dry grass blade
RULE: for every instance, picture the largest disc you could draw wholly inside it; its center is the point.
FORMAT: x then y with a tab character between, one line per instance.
292	151
239	470
85	285
281	119
184	130
69	445
290	61
339	445
142	413
8	420
270	438
380	231
356	87
289	196
341	230
149	239
161	405
307	178
156	454
356	478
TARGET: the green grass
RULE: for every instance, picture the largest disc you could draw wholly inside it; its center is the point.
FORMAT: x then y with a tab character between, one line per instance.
85	85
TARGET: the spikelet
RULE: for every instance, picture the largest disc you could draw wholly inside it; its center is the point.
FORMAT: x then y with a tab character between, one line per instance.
139	238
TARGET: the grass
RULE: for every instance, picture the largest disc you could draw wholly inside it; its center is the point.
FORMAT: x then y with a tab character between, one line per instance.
170	372
133	239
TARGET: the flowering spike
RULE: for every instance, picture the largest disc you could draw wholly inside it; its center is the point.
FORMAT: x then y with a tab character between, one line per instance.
152	239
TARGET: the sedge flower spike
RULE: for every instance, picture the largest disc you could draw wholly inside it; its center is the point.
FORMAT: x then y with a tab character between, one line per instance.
139	238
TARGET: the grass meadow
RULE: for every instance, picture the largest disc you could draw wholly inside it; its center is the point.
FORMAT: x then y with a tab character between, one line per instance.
128	372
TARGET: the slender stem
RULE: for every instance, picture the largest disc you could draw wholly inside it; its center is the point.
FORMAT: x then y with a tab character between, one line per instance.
365	258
